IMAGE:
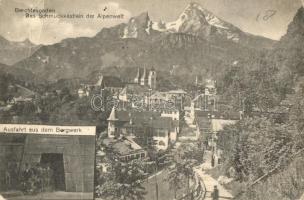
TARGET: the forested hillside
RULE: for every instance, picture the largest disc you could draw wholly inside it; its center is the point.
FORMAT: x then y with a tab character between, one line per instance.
265	149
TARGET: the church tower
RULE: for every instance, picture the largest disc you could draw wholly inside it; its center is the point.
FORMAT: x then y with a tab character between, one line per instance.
143	77
112	120
152	79
136	79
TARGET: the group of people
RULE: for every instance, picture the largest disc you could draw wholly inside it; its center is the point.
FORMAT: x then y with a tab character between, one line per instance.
37	178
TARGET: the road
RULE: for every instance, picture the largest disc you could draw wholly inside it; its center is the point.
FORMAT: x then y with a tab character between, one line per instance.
209	181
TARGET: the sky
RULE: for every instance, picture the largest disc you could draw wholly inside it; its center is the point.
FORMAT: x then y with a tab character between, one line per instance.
245	14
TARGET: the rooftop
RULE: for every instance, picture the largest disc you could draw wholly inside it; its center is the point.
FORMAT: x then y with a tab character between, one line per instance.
123	146
233	115
135	89
143	119
179	91
109	81
123	115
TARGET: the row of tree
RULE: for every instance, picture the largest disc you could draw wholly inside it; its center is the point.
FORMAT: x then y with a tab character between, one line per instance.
125	180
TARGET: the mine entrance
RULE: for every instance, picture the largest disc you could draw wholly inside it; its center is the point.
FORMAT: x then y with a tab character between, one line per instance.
55	162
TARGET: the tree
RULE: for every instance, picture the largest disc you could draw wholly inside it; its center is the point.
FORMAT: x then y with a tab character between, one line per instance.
5	117
65	95
255	146
3	87
28	112
123	181
182	166
255	84
175	179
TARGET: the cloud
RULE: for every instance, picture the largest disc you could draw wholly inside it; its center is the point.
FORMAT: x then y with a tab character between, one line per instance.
53	30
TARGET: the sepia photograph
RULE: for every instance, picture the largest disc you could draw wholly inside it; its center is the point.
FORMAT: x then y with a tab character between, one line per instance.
47	162
152	99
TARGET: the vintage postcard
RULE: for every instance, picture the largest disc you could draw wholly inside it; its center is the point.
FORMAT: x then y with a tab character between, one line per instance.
152	99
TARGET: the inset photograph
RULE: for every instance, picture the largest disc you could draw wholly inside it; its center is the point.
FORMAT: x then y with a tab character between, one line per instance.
57	162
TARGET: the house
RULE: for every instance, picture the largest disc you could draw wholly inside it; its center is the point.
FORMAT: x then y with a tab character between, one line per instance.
123	148
159	101
203	102
172	113
20	100
210	122
134	96
146	127
21	95
83	92
158	97
179	97
111	84
126	148
210	87
164	100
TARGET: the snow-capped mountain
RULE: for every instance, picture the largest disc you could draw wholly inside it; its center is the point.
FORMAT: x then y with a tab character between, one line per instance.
195	14
194	20
198	21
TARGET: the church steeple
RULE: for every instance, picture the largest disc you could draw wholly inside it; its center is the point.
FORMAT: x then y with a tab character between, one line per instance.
112	116
152	79
136	79
112	130
143	77
100	80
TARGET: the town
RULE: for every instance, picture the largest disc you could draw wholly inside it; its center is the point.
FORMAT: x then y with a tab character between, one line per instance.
146	125
143	125
170	137
141	122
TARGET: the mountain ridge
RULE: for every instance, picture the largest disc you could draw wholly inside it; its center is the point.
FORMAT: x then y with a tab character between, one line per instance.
12	52
136	43
198	21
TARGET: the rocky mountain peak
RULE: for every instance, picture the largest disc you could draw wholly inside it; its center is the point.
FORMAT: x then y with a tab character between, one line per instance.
197	20
142	18
194	12
138	27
